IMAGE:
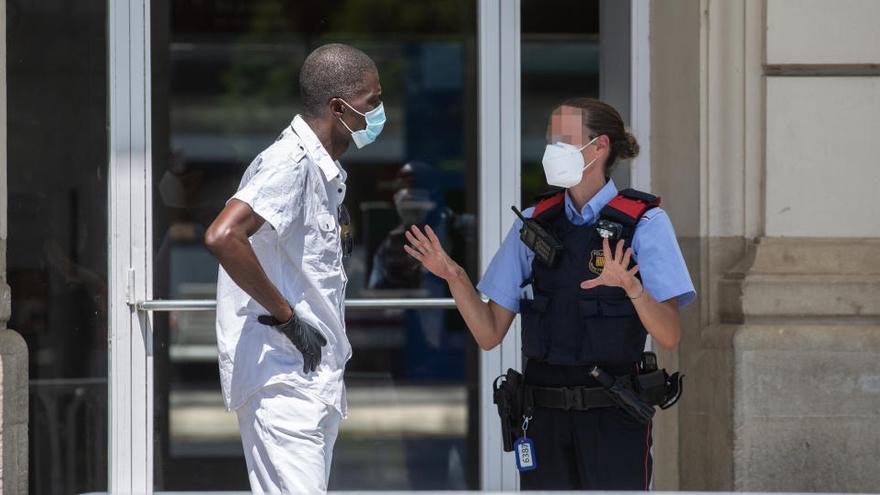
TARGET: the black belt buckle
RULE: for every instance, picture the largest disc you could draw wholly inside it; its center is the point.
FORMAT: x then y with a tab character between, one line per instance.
574	398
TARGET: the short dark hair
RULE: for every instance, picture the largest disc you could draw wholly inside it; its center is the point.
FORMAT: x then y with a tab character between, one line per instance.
330	71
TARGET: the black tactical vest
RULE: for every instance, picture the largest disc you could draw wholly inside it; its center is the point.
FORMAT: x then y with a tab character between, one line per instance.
566	325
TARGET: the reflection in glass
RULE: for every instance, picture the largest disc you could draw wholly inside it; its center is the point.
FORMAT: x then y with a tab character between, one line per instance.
559	60
225	85
57	247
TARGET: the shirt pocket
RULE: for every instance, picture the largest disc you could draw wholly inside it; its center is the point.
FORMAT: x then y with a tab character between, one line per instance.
326	223
323	244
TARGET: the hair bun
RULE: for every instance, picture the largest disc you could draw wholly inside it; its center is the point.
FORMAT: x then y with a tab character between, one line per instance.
629	148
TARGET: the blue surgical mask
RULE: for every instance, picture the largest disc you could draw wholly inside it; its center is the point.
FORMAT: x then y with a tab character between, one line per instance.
375	119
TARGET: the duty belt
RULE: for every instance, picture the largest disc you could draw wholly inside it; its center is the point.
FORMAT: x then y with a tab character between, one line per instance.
635	394
568	398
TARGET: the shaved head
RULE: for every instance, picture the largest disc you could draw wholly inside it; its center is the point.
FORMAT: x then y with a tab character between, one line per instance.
333	71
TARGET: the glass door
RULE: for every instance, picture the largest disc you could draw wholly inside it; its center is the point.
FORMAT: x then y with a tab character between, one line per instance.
55	78
224	85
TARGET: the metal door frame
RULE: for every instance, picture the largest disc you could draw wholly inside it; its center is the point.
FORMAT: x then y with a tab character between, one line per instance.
500	143
130	251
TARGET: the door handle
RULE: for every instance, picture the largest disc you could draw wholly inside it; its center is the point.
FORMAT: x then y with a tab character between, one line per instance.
165	305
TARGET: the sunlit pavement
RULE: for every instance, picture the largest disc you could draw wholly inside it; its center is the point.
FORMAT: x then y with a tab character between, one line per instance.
198	417
417	432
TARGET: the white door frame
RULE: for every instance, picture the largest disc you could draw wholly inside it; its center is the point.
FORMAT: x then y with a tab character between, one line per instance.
130	278
500	136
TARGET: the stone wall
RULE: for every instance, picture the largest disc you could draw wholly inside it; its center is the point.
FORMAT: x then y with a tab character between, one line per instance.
13	351
13	411
763	117
675	121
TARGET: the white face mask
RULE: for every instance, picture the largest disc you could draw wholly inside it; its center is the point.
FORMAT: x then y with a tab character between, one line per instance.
413	205
564	164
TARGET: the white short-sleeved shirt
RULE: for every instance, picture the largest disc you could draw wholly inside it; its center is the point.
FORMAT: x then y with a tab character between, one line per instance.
296	188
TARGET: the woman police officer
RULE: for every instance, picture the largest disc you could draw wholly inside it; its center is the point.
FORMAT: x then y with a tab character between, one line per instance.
590	307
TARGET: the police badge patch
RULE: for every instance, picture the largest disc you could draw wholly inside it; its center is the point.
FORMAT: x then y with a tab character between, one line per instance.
597	261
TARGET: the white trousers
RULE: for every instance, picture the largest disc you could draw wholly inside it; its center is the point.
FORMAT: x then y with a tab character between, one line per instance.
288	439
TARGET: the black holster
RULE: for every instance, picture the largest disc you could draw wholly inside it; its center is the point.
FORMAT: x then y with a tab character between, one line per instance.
507	394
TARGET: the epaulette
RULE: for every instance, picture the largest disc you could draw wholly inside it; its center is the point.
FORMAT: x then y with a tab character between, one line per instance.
629	205
549	204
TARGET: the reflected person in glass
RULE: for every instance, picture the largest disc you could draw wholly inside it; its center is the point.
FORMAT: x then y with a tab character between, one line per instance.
281	287
592	305
418	201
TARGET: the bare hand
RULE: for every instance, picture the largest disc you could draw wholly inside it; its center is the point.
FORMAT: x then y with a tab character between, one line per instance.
428	251
615	272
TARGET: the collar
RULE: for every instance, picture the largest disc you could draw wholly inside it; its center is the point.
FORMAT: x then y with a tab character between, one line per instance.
590	212
316	151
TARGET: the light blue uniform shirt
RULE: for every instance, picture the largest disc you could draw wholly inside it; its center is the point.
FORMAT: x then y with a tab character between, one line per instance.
655	248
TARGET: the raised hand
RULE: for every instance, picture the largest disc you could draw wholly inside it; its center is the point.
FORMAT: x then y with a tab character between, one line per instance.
616	272
428	251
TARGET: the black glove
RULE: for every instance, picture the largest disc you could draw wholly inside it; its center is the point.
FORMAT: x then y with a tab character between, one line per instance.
305	338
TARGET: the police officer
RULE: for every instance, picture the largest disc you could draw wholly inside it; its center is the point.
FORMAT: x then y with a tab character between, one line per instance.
593	306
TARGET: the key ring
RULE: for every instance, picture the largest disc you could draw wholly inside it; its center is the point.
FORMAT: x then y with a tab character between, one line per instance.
525	424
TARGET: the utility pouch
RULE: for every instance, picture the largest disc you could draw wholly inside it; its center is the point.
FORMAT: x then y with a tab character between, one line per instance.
507	394
652	387
673	389
656	386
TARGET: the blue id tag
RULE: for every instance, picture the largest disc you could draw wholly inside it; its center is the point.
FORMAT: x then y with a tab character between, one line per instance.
525	454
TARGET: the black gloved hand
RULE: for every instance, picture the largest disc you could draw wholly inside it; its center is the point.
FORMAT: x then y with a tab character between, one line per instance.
305	338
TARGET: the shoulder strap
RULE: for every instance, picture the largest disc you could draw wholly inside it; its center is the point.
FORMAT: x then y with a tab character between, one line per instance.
549	205
628	206
641	196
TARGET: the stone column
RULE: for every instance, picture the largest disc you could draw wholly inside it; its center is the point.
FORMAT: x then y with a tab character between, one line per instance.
13	407
807	351
778	187
806	366
675	161
13	351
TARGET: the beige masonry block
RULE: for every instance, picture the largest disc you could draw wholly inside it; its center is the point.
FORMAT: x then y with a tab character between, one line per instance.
807	405
805	278
823	32
822	170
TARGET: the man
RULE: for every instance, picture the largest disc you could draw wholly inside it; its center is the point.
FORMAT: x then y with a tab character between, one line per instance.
280	241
